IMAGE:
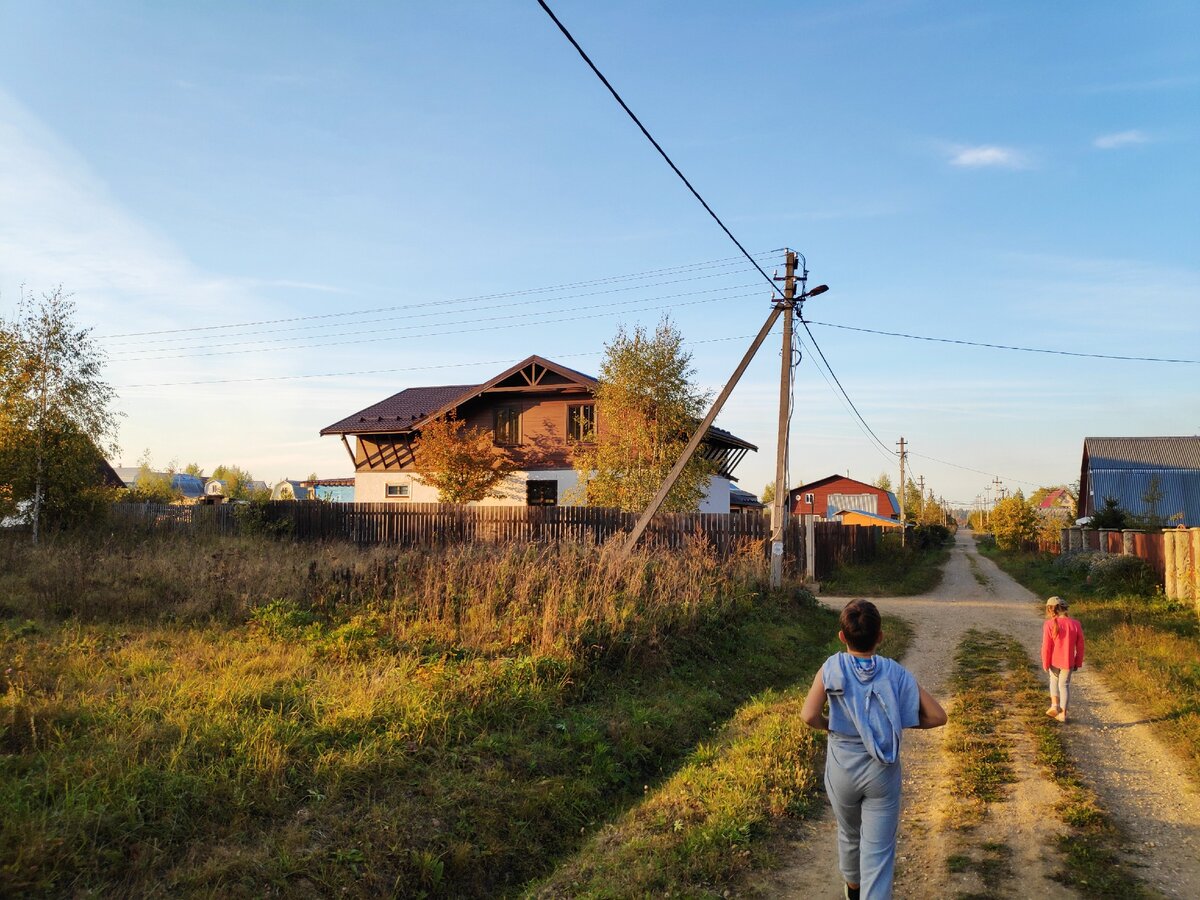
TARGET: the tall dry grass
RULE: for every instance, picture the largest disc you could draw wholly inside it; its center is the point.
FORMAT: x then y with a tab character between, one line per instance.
547	599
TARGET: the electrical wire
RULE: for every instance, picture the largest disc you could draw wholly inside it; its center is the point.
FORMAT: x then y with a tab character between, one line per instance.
457	329
857	414
208	344
970	469
921	337
661	152
497	296
702	201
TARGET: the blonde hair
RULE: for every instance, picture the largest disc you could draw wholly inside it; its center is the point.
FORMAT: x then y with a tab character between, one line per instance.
1054	606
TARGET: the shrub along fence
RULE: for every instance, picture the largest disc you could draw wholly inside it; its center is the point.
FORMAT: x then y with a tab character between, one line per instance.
441	524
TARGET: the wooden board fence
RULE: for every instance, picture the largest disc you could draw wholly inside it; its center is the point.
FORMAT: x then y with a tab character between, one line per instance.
442	524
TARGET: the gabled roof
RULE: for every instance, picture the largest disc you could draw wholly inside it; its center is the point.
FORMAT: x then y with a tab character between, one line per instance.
1155	477
399	411
412	408
1143	452
821	482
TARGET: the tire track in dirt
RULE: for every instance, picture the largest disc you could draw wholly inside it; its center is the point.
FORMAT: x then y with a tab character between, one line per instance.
1144	788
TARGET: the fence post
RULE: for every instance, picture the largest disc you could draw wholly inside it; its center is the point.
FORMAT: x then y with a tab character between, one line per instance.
1183	559
1195	542
1104	533
1127	539
1170	588
810	547
1064	540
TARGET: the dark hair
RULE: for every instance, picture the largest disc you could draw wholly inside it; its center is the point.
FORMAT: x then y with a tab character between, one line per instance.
861	625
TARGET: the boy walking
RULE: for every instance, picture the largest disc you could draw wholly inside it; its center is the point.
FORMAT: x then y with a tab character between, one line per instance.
872	699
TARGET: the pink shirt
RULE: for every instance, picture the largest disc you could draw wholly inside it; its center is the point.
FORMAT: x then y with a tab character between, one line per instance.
1066	650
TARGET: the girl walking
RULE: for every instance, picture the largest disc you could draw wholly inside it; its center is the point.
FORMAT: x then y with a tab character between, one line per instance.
1062	654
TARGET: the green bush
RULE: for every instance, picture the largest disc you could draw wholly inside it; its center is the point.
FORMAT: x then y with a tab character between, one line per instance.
1114	575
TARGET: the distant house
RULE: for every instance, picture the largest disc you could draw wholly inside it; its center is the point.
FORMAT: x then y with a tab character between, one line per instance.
744	502
332	490
536	410
291	490
1154	478
188	487
836	494
1059	498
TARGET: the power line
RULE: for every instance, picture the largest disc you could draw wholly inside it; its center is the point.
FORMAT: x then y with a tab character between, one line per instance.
921	337
207	344
497	296
842	389
650	138
696	194
455	331
970	469
492	362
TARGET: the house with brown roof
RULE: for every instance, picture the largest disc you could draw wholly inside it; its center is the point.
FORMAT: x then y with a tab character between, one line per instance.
829	497
536	410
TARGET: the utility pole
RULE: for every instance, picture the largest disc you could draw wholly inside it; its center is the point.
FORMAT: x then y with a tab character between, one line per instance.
1000	492
785	307
921	483
903	527
779	508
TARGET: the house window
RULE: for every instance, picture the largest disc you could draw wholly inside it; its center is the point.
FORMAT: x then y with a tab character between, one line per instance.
508	425
581	422
541	492
809	499
397	491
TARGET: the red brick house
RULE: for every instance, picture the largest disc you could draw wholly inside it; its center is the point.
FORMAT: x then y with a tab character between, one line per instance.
536	409
829	496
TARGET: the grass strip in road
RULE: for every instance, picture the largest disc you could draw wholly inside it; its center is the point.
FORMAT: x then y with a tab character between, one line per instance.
1147	646
711	822
996	685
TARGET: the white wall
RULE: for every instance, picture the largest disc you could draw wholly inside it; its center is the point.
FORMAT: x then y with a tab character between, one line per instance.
371	487
716	498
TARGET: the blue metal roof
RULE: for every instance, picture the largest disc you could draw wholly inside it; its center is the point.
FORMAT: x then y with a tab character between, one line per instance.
1157	477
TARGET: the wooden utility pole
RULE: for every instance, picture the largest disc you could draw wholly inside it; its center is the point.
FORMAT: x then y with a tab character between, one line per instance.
779	508
921	485
903	491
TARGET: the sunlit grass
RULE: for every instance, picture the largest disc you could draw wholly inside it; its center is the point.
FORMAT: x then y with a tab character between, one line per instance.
328	721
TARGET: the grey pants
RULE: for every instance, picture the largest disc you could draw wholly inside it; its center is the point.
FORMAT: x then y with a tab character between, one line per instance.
1060	687
865	796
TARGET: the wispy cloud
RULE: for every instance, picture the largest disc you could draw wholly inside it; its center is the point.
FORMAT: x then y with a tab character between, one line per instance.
987	156
1120	139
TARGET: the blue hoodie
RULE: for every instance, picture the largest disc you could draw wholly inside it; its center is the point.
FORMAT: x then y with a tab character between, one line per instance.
873	699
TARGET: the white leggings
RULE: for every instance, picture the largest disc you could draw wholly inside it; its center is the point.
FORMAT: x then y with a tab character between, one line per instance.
1060	687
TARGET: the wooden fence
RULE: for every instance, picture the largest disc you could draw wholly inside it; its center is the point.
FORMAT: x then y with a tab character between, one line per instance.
441	524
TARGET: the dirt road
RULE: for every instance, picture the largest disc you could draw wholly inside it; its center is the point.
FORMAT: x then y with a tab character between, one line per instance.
1141	784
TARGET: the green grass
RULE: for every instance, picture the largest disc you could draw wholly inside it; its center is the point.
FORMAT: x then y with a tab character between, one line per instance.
896	572
1147	646
324	721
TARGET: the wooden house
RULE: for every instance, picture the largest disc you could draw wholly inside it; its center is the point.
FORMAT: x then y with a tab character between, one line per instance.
836	494
536	410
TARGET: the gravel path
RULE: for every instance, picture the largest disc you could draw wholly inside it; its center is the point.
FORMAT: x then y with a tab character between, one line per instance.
1141	784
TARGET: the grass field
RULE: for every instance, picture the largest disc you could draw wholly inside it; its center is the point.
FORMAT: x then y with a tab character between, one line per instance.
252	718
1148	646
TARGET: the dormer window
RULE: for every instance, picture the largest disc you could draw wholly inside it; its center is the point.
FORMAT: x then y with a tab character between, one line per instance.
508	426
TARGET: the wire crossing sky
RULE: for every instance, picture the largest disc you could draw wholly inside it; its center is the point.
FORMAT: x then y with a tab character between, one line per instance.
243	198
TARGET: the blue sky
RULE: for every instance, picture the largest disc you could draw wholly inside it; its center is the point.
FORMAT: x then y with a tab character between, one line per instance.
1018	174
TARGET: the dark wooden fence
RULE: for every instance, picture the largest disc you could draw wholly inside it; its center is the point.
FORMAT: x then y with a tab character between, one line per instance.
441	524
